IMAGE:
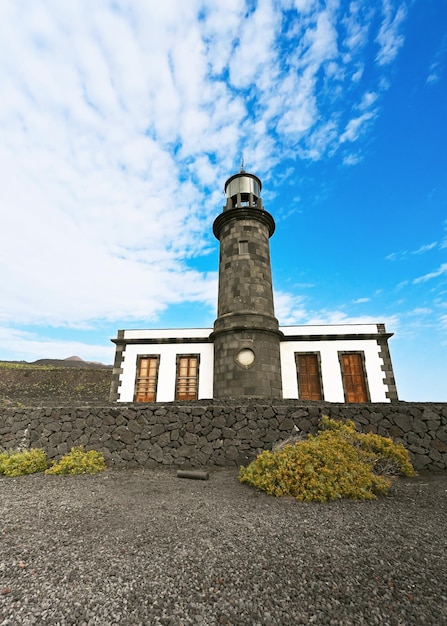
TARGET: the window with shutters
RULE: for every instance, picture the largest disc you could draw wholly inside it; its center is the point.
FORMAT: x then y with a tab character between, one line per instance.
187	377
243	247
147	375
354	377
308	369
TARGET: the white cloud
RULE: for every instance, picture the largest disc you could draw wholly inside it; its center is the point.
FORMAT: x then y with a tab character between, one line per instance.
362	300
303	6
352	159
256	39
437	66
390	38
425	248
120	122
322	40
357	24
439	272
369	98
420	311
340	317
289	309
421	250
357	126
28	346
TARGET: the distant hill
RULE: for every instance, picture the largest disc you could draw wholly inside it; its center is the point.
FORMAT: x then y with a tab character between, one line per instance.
54	382
72	361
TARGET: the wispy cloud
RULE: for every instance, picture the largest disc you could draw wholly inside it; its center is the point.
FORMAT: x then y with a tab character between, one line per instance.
340	317
289	308
352	159
118	119
443	243
425	248
394	256
356	127
390	38
439	272
420	311
357	23
438	64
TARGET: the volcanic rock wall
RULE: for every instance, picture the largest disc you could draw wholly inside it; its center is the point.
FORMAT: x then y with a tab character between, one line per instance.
215	433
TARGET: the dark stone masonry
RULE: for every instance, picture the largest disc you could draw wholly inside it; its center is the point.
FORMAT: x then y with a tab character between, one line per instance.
215	432
246	326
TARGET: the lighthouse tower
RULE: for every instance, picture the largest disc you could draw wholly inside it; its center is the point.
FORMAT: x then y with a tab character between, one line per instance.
246	335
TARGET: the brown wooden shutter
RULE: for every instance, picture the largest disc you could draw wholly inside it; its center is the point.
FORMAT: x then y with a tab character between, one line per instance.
354	378
309	381
147	379
187	377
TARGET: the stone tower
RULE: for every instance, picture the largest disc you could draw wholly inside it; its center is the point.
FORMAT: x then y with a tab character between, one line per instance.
246	335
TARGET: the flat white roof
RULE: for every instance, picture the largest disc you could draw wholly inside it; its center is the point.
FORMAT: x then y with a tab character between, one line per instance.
303	329
167	333
330	329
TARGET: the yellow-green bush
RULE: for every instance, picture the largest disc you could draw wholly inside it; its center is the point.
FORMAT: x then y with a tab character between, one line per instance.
78	461
338	462
20	462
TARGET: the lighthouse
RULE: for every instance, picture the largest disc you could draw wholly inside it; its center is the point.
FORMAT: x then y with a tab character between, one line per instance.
246	354
246	333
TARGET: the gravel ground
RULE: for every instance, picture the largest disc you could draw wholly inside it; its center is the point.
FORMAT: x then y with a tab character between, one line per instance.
135	547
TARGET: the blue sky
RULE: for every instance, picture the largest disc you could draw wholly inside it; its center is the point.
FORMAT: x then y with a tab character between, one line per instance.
121	120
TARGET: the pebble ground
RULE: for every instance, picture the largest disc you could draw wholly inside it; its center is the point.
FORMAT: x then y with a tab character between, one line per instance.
143	547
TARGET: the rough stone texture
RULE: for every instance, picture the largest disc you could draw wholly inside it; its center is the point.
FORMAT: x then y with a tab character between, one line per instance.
245	312
141	547
245	280
262	378
215	432
387	366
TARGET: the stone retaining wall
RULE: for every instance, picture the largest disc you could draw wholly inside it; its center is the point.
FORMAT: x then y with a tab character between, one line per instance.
211	432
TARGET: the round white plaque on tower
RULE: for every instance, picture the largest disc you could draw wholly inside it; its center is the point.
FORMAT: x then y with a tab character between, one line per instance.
245	357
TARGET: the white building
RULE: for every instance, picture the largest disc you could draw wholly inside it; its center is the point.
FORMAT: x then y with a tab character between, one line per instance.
247	353
342	363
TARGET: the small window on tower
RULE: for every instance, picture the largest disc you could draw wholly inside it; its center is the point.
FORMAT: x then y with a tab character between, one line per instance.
243	247
245	199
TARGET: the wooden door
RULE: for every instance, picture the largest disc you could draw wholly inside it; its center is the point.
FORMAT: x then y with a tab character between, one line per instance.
309	380
187	377
354	380
147	379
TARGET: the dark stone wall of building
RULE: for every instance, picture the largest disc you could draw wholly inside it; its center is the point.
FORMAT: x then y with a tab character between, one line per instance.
215	433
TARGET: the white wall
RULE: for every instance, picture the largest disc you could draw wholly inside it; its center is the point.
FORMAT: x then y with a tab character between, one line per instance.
167	368
330	367
328	349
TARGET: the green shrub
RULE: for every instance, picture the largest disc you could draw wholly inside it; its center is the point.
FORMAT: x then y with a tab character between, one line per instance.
387	456
20	462
338	462
78	461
